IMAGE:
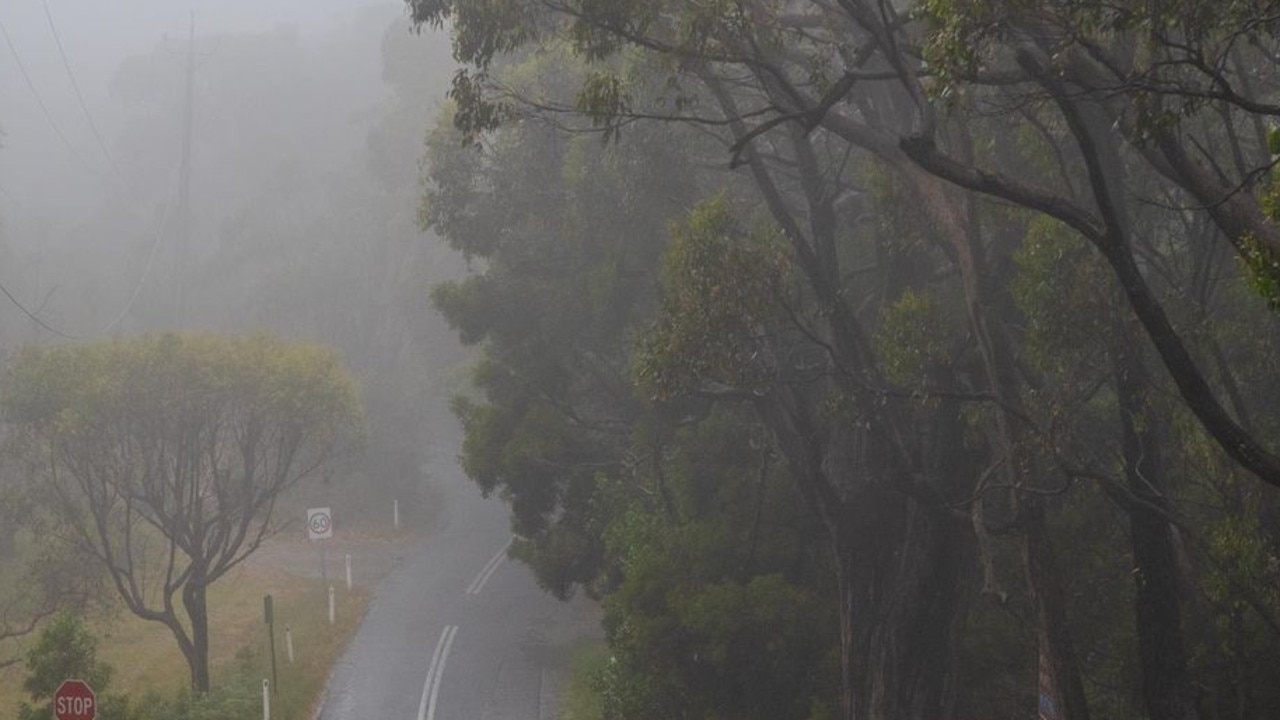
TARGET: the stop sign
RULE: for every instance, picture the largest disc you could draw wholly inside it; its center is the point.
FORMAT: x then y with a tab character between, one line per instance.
74	700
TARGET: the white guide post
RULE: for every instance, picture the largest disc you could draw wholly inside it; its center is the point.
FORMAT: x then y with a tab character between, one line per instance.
288	643
395	513
330	604
266	699
348	571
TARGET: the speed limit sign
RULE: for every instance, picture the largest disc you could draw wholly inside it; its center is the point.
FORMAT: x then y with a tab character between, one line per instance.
319	523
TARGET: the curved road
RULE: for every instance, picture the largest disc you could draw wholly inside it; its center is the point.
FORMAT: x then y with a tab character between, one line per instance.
457	631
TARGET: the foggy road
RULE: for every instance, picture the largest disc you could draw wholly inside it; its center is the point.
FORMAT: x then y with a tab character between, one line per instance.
458	630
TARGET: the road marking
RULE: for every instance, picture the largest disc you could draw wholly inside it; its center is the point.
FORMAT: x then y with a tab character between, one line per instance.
431	686
488	570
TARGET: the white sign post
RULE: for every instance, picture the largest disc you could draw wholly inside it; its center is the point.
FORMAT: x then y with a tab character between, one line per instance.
320	527
319	523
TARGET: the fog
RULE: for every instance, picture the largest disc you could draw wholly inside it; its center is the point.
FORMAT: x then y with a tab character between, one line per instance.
909	360
97	38
306	130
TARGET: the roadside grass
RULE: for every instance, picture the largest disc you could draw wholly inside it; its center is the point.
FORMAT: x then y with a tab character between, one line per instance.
317	645
146	659
581	699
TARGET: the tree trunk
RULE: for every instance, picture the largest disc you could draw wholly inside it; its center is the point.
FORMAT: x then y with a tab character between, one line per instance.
1166	684
1061	689
901	571
900	604
195	601
916	669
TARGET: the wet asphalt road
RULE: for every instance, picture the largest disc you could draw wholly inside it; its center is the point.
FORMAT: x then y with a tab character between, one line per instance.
458	631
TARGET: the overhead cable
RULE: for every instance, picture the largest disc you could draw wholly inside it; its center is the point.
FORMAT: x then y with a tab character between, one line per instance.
76	86
35	318
17	59
146	270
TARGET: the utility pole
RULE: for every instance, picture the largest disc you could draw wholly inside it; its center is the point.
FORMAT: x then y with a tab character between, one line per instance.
183	237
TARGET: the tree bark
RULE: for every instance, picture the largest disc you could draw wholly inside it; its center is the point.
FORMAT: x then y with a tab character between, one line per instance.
1061	690
901	569
194	600
1166	683
902	572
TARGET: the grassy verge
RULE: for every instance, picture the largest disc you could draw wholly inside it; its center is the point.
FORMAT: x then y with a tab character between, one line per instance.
147	661
580	699
317	646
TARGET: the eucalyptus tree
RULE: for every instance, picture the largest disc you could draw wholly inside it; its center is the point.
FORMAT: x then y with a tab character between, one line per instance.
672	513
871	471
163	456
1123	100
566	235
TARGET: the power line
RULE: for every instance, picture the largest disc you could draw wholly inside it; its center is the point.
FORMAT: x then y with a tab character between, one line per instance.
184	182
17	59
76	86
133	295
146	270
164	218
34	317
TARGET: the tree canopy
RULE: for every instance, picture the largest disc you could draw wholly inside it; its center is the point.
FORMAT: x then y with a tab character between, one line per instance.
996	278
163	456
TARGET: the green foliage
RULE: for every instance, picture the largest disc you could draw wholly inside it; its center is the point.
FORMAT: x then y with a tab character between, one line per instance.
909	339
720	607
603	99
69	390
566	233
1062	290
672	521
1242	558
1262	268
956	45
239	695
65	650
728	649
659	513
1238	639
692	638
582	699
723	286
183	439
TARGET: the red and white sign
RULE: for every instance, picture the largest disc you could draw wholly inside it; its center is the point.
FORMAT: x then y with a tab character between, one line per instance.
74	700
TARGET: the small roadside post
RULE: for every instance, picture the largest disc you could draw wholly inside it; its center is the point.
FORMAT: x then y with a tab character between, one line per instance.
319	529
269	616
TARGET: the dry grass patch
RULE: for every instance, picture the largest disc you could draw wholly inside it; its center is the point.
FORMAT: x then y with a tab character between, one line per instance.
147	660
